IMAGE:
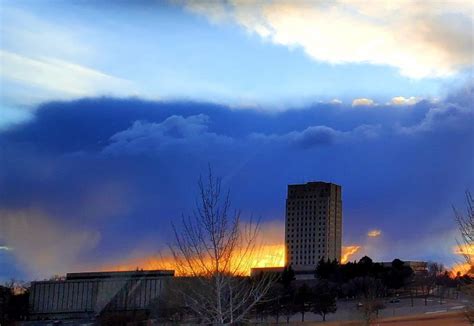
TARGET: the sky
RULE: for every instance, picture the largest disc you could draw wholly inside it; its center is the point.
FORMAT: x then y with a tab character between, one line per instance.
110	111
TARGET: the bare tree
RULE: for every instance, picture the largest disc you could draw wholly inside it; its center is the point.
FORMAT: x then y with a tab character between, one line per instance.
466	228
14	298
465	247
370	293
213	249
169	306
426	281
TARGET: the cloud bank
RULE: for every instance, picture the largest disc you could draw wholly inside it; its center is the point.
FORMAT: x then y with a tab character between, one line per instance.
125	168
172	132
419	38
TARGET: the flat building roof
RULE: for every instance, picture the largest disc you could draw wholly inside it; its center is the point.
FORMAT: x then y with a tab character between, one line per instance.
117	274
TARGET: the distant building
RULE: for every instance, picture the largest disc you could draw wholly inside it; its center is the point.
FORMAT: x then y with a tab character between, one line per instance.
86	295
313	225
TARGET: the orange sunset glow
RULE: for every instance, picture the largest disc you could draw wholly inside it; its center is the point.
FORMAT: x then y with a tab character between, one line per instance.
464	249
266	256
463	268
348	251
272	255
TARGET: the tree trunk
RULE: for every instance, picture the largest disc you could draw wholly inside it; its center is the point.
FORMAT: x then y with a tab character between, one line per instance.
324	317
302	316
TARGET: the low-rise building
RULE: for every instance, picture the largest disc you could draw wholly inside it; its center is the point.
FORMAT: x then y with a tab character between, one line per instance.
87	295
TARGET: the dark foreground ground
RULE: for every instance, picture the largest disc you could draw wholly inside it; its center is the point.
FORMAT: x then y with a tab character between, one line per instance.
448	312
439	319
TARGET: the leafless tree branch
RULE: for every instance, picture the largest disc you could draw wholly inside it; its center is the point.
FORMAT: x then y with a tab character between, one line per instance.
212	248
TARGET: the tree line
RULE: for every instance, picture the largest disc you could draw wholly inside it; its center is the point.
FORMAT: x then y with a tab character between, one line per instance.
365	282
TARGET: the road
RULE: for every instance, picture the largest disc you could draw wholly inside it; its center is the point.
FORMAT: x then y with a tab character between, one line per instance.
438	319
449	312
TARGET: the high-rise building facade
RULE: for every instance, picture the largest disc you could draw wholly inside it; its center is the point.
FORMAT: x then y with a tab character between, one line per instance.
313	226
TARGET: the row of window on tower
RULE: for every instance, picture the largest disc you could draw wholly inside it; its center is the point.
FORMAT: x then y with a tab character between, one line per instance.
306	235
306	257
305	221
300	204
306	245
295	195
306	239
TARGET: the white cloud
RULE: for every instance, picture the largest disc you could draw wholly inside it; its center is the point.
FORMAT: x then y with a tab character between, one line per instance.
363	102
50	76
400	100
25	32
374	233
421	39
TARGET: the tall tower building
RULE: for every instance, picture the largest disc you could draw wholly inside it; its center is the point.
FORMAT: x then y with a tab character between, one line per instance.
313	226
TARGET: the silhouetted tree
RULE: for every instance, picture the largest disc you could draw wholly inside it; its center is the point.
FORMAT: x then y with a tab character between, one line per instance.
466	229
324	299
5	297
287	276
443	283
303	299
170	306
14	298
286	297
465	224
289	307
327	269
213	246
398	275
370	292
427	281
274	300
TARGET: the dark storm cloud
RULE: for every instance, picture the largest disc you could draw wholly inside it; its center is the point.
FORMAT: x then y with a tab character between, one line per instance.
88	124
122	169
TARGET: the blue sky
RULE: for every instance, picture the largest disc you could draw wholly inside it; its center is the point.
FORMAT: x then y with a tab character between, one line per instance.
110	111
161	50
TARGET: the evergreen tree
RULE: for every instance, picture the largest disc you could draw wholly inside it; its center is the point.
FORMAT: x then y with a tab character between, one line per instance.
324	299
303	300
